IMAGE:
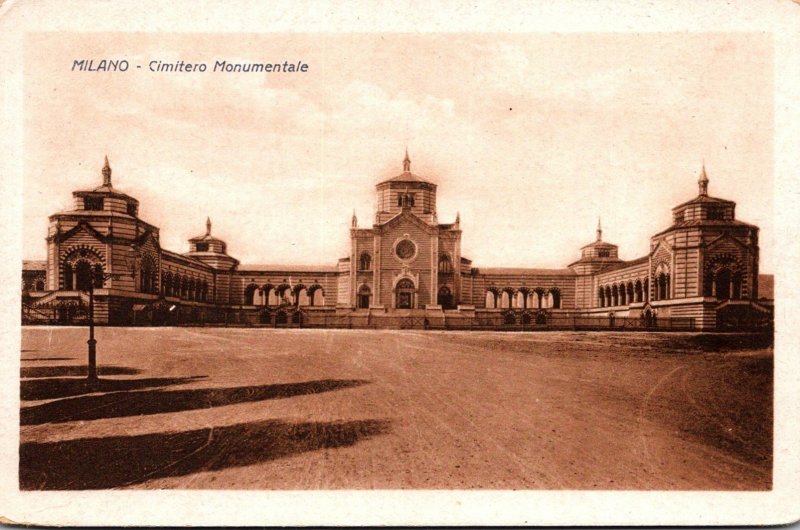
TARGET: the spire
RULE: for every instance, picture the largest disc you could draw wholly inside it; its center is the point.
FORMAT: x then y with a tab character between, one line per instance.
599	230
354	220
458	218
106	173
406	162
208	226
703	181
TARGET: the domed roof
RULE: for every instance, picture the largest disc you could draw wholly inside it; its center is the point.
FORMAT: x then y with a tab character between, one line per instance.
207	236
406	175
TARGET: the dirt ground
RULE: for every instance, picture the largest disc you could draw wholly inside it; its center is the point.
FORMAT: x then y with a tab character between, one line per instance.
319	409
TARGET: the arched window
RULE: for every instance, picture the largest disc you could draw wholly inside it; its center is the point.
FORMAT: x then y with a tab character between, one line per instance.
365	262
539	295
83	275
609	301
445	266
622	294
273	298
148	274
316	295
491	300
646	289
638	290
547	300
601	297
249	294
364	294
505	299
615	295
630	292
555	294
662	286
301	296
205	291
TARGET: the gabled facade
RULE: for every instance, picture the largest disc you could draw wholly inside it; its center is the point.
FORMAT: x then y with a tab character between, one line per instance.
406	269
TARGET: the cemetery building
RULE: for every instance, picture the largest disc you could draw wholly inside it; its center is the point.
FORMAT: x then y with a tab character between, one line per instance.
406	269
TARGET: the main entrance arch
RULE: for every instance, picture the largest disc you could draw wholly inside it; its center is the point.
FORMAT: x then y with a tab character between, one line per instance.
405	294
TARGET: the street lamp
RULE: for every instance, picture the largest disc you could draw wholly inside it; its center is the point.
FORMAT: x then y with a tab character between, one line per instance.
92	342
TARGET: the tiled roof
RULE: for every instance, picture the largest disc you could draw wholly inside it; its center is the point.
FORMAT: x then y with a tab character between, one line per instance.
287	268
625	264
704	199
406	176
516	270
34	265
705	222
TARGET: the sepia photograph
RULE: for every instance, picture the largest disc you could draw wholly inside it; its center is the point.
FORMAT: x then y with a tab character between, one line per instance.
416	262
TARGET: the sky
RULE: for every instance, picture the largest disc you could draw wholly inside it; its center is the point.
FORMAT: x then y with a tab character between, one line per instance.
531	137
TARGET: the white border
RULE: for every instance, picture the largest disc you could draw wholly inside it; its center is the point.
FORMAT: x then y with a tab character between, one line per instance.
178	508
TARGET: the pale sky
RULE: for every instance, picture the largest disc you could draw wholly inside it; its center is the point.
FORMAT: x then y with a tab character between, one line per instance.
531	137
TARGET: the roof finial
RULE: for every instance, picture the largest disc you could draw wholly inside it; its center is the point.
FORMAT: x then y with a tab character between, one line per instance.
354	220
458	218
208	226
406	162
599	230
106	173
703	180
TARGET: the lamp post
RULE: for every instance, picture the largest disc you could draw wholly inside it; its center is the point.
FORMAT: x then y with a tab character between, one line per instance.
92	342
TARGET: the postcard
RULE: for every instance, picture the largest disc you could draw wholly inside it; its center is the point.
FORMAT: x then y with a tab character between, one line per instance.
347	263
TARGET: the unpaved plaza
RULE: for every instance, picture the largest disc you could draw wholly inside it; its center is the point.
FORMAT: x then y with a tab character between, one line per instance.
318	409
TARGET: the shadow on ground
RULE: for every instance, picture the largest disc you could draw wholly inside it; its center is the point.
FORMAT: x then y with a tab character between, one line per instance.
73	371
120	404
716	342
52	388
100	463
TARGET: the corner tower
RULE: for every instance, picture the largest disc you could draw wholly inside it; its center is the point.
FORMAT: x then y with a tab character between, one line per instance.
707	254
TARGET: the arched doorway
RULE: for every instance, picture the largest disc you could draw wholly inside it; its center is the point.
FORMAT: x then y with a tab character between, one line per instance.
723	284
83	275
364	294
404	294
445	298
281	318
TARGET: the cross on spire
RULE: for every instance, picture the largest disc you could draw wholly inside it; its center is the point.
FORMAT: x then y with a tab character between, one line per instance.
106	173
599	230
406	162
